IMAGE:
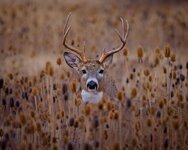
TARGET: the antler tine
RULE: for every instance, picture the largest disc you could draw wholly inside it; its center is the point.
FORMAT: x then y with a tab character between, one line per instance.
66	31
122	38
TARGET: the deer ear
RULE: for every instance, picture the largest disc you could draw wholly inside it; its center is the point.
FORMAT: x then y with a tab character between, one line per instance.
72	60
107	61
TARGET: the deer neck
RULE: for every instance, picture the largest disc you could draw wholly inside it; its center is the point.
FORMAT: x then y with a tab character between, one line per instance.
91	97
109	88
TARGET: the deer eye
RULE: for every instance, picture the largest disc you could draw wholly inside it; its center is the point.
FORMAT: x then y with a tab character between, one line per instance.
101	71
84	71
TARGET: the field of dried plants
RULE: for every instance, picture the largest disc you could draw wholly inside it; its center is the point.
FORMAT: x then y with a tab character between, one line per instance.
40	102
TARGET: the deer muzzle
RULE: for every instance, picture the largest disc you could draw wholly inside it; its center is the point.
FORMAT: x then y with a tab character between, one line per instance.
92	84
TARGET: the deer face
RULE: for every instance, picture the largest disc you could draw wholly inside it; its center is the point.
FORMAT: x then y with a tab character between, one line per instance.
91	72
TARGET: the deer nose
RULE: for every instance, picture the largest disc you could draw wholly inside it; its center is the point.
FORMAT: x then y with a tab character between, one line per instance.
92	85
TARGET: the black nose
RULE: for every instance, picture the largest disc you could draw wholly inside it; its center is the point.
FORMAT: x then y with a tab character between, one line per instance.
92	85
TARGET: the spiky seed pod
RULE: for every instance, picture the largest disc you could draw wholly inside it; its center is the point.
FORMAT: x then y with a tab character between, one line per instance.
173	57
133	93
65	140
164	70
1	83
161	103
176	124
70	146
134	142
116	115
152	110
10	75
1	132
174	75
11	102
87	109
38	127
95	122
96	144
64	88
71	122
35	91
4	102
62	113
120	95
17	104
62	77
149	122
116	146
72	42
129	103
166	144
182	77
23	119
109	106
49	69
100	106
59	61
167	51
150	78
78	101
105	134
125	52
140	52
146	72
158	115
58	116
73	87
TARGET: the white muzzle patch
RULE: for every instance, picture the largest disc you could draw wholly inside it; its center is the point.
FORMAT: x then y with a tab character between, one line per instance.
91	97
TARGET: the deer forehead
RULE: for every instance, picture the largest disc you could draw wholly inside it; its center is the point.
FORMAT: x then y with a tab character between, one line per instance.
92	65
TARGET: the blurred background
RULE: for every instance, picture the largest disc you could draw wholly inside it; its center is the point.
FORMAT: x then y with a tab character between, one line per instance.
31	31
40	103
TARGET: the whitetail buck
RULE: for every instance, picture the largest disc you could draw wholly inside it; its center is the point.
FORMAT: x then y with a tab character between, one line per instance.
95	82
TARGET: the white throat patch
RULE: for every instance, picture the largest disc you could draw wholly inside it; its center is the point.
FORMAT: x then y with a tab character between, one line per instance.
91	97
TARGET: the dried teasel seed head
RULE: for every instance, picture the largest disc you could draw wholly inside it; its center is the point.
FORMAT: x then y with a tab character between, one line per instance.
116	146
161	103
73	87
164	70
120	96
105	134
100	106
140	52
62	113
23	119
133	93
167	51
78	101
125	52
35	91
10	75
1	132
176	124
59	61
87	109
149	122
116	115
49	69
173	57
146	72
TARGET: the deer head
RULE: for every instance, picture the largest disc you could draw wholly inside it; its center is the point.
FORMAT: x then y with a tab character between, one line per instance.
92	72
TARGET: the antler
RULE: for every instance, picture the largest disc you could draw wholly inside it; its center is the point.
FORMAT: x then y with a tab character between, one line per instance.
123	39
66	31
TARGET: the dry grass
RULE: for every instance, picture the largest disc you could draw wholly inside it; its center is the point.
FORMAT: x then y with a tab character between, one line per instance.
40	103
